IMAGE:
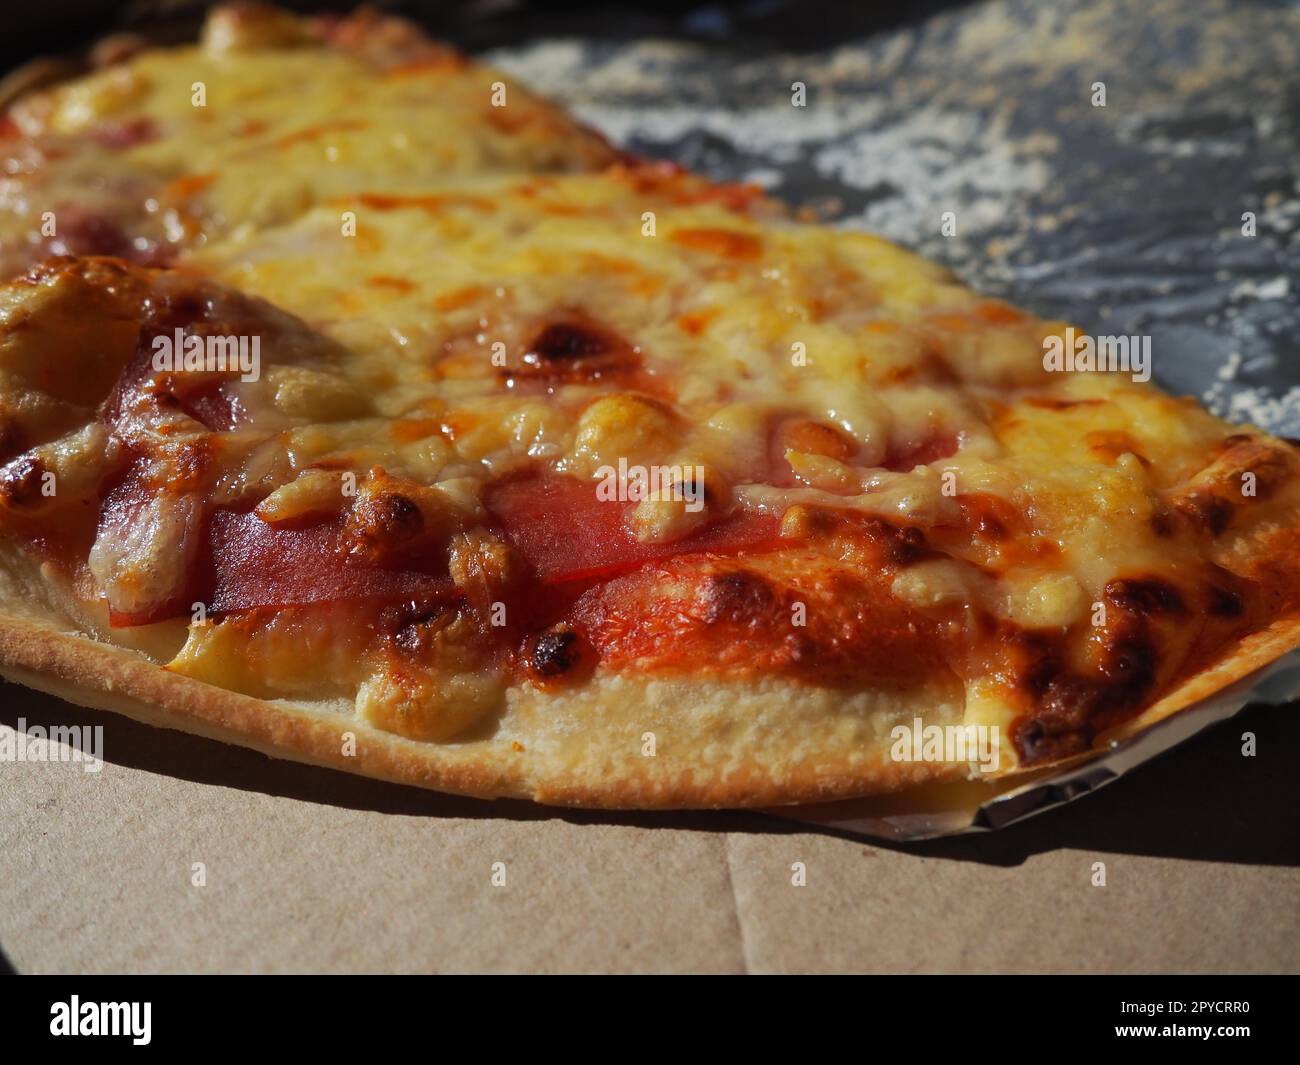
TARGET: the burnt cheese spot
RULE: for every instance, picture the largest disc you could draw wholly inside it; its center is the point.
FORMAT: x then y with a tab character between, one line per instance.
20	481
1247	469
411	624
1130	665
1072	707
11	437
556	652
1209	512
904	546
1163	524
884	542
1223	602
574	349
1060	728
1148	595
1063	700
1049	403
396	514
802	650
381	525
990	518
694	488
739	598
568	341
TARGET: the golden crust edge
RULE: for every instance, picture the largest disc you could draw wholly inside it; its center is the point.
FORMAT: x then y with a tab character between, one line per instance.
88	672
1252	653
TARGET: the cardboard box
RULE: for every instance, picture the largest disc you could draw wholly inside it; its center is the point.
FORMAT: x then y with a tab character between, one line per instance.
311	871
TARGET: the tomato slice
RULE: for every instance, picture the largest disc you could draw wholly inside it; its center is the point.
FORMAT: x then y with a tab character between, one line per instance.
254	565
555	523
566	534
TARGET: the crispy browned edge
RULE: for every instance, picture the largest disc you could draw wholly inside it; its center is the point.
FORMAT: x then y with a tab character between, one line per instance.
98	675
42	655
1253	654
90	673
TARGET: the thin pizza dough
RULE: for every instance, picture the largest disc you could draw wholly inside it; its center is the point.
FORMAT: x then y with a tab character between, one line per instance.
410	429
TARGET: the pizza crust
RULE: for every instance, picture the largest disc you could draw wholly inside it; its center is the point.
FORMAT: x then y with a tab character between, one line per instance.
717	744
1254	652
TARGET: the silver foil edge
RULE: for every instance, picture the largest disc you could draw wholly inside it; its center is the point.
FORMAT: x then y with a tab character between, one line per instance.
1273	684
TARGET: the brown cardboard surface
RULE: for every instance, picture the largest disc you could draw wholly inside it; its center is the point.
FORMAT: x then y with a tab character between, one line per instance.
309	870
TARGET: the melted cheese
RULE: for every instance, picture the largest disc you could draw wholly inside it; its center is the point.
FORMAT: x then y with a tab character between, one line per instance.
256	126
479	293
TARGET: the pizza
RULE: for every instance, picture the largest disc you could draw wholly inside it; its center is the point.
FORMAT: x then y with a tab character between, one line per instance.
400	424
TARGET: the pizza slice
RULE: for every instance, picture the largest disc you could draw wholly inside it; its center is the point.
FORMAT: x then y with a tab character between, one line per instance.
602	485
159	151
